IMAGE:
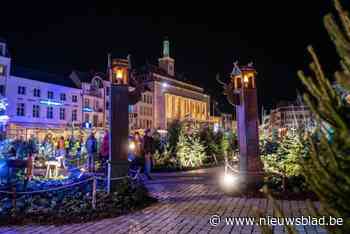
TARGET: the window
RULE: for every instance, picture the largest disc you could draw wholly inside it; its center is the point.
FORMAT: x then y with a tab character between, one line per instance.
36	111
86	103
20	109
49	112
87	118
107	91
63	96
62	113
74	115
96	105
2	90
95	120
36	93
107	105
21	90
74	98
50	95
2	70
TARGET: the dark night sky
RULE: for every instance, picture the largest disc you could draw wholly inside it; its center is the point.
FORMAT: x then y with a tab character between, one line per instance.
204	38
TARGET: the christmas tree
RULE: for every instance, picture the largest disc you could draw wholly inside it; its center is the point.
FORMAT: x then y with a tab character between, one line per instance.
190	152
326	166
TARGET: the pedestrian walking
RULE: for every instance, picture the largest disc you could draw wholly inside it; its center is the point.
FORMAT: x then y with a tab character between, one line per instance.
148	149
91	148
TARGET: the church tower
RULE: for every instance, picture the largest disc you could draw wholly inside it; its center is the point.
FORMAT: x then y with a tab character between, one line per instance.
166	62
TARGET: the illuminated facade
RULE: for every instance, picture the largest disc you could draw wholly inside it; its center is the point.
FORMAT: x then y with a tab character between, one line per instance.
37	101
173	99
182	108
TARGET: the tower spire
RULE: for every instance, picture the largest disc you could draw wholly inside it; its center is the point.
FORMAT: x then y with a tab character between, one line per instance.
166	48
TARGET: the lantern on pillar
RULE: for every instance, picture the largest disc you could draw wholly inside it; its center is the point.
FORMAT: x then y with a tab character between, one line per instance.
241	92
121	97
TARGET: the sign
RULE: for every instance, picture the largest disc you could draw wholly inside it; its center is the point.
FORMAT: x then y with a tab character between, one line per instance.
50	103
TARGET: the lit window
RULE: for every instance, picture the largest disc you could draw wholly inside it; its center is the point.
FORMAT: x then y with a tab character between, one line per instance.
119	73
2	70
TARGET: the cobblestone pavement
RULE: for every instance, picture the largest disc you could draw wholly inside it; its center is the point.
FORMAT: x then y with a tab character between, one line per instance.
186	203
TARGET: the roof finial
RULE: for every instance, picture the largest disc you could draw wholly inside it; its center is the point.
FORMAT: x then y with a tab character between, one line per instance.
236	71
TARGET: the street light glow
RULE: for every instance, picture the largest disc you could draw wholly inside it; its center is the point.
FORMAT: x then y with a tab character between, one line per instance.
165	85
228	181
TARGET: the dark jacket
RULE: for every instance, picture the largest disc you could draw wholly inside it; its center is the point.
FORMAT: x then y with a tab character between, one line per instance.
91	144
148	145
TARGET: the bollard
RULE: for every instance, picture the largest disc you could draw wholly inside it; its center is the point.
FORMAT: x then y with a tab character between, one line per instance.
94	183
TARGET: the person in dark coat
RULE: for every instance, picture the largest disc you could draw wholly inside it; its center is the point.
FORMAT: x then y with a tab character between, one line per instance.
91	148
148	149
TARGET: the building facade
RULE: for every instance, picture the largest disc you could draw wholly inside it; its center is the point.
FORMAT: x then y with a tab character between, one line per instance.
37	101
173	99
288	118
42	101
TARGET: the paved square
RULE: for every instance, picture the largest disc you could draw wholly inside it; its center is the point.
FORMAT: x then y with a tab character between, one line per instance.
186	203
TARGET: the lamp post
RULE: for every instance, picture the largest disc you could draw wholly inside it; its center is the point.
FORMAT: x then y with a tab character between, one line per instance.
120	99
241	92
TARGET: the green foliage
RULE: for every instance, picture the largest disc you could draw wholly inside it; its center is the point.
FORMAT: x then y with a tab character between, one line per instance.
327	166
164	159
174	131
189	151
74	206
282	159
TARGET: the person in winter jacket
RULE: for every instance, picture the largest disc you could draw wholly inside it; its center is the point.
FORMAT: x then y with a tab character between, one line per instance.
148	149
104	149
91	148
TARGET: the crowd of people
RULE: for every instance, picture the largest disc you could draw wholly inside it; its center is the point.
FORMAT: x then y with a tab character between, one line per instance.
144	150
66	150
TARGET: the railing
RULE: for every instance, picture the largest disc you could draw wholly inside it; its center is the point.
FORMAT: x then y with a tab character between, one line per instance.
92	180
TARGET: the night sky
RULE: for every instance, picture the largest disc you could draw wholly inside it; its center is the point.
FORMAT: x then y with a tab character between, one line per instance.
205	38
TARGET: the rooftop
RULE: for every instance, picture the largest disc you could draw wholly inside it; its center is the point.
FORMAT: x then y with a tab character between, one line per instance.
45	77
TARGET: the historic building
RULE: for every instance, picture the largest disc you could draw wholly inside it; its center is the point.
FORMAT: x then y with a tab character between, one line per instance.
37	101
170	98
95	92
288	117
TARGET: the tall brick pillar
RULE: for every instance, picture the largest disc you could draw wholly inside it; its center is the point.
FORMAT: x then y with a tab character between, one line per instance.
250	166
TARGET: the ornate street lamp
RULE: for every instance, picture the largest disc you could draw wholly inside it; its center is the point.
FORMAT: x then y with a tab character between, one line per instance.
120	98
241	92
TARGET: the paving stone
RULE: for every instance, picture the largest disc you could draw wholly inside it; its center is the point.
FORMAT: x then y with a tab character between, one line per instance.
185	206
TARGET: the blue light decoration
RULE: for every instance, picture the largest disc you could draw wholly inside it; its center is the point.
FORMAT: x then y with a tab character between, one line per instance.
50	103
3	117
87	125
87	109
